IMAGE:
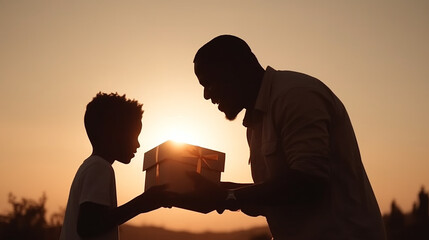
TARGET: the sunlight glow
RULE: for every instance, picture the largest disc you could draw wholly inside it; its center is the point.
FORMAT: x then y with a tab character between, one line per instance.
179	135
180	130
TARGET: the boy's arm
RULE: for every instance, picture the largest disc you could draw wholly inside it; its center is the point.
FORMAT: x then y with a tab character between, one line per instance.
95	219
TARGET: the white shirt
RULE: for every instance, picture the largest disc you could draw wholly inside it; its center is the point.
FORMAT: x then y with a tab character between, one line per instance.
93	182
299	123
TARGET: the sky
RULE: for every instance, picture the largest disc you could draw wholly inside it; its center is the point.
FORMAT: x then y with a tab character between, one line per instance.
56	55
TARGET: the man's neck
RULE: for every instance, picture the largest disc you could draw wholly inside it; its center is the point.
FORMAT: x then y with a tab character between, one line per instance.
258	76
255	88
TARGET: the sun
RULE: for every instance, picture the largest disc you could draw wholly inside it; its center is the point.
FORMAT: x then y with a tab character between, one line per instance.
181	135
180	130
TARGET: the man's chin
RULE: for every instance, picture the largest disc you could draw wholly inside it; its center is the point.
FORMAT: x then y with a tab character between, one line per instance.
231	116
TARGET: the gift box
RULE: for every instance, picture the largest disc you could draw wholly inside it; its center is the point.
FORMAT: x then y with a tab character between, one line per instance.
170	162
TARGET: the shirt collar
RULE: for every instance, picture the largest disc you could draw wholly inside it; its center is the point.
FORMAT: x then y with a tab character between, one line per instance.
262	100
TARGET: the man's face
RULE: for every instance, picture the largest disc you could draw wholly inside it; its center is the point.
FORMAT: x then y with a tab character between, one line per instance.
221	86
127	142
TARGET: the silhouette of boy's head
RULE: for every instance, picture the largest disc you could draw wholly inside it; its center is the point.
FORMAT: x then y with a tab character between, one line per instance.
113	124
229	72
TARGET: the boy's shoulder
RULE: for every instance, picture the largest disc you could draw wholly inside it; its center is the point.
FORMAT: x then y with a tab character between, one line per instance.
94	163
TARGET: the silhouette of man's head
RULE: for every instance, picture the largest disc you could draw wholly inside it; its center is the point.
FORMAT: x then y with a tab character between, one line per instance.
225	49
229	73
113	124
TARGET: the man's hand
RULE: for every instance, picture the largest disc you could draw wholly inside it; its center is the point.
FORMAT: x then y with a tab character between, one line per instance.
206	197
233	185
253	211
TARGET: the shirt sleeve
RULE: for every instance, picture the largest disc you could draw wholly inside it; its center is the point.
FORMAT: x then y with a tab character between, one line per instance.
303	118
96	185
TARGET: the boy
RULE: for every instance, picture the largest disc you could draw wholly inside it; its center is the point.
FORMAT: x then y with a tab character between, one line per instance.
113	124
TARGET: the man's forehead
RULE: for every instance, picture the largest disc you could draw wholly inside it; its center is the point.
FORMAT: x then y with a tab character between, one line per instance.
214	68
206	72
202	67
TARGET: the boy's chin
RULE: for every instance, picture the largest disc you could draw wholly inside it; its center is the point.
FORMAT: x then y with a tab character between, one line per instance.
126	160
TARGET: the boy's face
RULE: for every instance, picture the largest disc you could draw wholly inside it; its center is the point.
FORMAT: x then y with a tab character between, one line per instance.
127	142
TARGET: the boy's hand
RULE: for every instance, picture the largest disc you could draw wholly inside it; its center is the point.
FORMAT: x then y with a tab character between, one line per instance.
156	197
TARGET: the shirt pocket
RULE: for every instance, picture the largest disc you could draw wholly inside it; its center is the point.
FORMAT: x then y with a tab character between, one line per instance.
274	158
269	148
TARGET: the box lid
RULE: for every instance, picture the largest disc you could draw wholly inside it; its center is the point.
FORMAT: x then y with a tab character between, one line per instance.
185	153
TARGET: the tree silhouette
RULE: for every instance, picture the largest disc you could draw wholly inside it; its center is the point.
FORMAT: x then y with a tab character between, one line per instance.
414	225
395	222
27	220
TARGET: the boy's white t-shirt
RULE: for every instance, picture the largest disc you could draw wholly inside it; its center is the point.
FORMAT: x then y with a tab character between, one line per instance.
94	182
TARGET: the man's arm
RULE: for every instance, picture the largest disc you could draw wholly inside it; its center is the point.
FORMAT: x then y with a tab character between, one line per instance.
294	188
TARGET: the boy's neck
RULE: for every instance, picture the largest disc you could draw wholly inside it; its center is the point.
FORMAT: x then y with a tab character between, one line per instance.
104	155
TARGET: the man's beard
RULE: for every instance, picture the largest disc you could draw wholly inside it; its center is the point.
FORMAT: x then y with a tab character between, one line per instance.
230	118
232	115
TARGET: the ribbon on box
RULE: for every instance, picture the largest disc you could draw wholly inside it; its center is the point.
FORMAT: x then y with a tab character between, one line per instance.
191	152
157	165
195	152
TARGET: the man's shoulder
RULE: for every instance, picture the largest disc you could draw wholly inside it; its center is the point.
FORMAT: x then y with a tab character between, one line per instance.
292	79
283	82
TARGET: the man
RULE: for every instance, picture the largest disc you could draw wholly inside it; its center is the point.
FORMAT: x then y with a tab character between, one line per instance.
309	180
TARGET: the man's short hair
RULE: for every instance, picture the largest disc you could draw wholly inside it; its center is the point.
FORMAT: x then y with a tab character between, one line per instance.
225	49
107	111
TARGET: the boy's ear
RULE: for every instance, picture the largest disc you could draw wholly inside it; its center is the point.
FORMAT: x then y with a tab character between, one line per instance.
108	133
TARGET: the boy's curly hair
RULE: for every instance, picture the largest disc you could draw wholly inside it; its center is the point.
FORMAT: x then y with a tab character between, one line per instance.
107	111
